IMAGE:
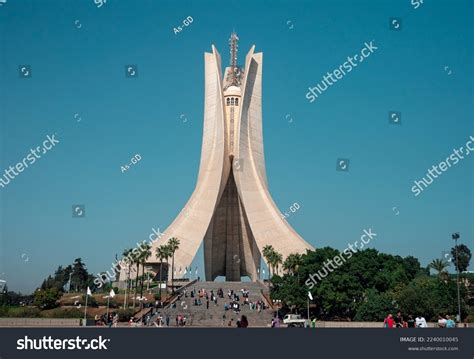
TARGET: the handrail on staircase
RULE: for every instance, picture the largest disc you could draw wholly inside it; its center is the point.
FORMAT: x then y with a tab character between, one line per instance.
174	297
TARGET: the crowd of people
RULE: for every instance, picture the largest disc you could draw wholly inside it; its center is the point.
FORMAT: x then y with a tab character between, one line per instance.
106	320
234	304
419	322
201	295
159	318
240	323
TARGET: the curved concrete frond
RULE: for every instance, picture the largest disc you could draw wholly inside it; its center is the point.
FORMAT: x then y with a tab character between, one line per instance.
231	210
265	220
193	221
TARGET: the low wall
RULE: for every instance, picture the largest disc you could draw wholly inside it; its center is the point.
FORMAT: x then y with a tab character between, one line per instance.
39	322
322	324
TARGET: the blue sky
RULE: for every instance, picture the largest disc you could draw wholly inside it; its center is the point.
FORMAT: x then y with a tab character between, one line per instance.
82	71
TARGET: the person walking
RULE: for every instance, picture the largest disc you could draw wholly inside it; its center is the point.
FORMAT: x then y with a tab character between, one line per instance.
399	320
275	322
420	322
244	323
449	322
388	322
441	321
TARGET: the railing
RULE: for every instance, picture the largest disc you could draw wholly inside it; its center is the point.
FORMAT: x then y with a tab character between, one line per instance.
39	322
169	301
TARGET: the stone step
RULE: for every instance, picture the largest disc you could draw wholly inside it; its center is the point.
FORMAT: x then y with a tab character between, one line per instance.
200	316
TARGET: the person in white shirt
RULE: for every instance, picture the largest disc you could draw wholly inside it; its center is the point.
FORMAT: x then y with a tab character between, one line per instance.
420	322
441	322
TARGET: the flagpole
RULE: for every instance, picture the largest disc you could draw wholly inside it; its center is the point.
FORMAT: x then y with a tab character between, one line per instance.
308	307
85	311
310	297
125	298
147	281
126	287
69	285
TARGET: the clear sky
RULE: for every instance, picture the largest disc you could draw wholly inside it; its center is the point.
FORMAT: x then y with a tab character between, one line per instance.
77	53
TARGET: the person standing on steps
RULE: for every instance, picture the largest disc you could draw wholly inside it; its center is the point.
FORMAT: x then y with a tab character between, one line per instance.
243	322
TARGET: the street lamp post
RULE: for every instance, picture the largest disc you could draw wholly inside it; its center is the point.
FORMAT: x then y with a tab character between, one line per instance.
310	297
148	269
69	286
307	315
277	303
456	236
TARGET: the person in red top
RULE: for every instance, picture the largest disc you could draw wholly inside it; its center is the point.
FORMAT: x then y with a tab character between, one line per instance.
388	322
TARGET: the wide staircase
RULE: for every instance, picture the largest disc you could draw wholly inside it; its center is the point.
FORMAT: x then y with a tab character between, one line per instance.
200	316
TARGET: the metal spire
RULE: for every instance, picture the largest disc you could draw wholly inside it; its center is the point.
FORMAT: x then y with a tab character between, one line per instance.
233	49
233	57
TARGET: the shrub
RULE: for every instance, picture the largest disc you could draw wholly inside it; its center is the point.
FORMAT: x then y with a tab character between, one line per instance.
125	314
21	312
91	301
375	308
63	313
47	298
113	304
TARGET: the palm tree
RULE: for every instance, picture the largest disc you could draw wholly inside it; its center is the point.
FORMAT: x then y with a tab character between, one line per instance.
439	265
277	259
125	254
169	253
268	252
144	255
136	260
173	244
292	262
162	254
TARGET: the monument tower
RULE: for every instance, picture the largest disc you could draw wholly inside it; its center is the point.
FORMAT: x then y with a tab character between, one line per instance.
231	209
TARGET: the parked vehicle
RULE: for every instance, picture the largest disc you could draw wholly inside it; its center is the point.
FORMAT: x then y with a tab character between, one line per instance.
294	320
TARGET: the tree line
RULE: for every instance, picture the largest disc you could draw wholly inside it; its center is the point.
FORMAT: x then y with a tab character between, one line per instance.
370	284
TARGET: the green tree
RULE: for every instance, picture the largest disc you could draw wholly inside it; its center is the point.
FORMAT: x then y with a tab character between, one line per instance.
276	259
292	295
461	263
136	260
162	253
412	267
374	307
126	253
430	297
439	265
268	253
173	245
144	255
364	285
47	299
292	262
80	275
